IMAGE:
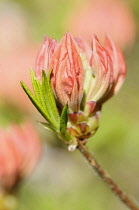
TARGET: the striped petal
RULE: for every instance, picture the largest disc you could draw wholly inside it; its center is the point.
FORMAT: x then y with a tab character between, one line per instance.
68	73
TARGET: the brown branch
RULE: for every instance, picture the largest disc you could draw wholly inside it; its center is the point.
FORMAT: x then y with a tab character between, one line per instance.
105	176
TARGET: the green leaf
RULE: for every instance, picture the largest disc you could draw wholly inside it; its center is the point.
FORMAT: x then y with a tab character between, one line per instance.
44	99
36	103
49	98
47	126
64	119
41	93
37	87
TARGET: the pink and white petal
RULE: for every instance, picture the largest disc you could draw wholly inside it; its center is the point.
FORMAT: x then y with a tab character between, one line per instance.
118	63
68	73
45	52
102	69
85	47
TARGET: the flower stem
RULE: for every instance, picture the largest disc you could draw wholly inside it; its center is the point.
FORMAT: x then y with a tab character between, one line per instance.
105	176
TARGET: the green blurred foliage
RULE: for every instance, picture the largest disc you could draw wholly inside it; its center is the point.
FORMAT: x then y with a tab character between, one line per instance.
64	180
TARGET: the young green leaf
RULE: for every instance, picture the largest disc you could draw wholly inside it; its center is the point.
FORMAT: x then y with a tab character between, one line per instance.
44	99
64	119
36	103
47	126
49	97
37	87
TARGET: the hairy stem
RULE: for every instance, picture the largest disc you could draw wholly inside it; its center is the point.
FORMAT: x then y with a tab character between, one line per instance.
105	176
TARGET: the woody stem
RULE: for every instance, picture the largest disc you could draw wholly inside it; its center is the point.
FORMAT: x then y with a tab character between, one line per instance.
105	176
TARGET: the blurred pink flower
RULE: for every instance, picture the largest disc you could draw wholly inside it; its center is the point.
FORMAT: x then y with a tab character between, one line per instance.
17	54
20	149
14	65
99	17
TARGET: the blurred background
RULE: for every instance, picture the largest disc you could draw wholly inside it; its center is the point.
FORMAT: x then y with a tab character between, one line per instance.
63	180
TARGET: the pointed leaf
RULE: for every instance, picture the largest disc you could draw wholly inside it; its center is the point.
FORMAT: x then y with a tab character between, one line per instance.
35	84
36	103
47	126
44	99
49	97
37	87
64	119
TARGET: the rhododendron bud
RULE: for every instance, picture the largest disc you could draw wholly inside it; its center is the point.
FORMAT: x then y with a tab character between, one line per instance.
68	73
102	72
71	82
20	150
118	64
44	56
84	47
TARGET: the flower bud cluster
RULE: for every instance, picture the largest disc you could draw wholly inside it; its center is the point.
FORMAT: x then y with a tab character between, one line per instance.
82	77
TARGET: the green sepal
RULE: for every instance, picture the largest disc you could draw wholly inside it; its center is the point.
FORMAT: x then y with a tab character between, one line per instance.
64	119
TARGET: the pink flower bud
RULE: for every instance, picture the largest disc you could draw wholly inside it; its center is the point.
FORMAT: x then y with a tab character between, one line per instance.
68	73
118	64
78	69
85	47
83	77
44	56
67	69
101	65
19	153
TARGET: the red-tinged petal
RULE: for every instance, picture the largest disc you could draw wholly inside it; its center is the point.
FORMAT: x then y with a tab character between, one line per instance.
81	131
102	70
44	55
118	63
82	128
85	47
77	117
68	73
73	117
73	132
90	107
